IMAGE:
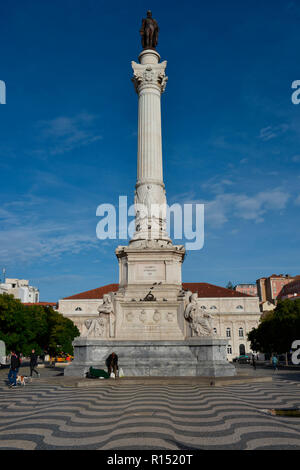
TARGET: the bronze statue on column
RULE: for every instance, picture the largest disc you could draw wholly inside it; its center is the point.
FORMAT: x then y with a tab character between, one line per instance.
149	32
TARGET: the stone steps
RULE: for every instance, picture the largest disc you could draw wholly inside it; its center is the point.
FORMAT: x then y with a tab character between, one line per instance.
127	381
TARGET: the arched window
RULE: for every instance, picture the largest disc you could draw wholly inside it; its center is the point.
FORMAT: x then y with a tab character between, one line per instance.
242	350
78	309
241	332
215	330
228	333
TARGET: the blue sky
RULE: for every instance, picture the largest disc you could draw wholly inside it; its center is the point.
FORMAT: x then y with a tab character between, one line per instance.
69	134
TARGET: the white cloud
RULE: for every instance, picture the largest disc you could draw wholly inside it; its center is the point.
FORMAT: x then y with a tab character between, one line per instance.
30	243
271	132
64	133
29	232
215	185
224	206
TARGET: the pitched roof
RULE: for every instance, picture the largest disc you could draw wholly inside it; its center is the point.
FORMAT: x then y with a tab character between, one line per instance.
203	289
43	304
290	287
94	293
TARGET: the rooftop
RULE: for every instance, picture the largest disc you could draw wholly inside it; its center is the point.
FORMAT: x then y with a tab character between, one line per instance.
203	289
43	304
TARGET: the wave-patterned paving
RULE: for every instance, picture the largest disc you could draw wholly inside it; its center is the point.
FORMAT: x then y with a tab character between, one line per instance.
156	417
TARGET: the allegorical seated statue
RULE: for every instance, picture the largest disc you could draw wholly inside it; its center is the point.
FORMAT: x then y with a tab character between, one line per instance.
149	32
199	320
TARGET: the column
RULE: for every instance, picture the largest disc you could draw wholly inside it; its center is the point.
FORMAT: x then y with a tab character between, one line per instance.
150	81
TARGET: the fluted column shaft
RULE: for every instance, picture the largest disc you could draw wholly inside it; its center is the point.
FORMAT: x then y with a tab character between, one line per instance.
150	80
149	137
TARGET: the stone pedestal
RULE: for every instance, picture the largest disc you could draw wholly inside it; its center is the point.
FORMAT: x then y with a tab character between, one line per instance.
147	261
194	357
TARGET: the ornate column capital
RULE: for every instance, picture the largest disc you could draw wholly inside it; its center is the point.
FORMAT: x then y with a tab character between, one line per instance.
149	76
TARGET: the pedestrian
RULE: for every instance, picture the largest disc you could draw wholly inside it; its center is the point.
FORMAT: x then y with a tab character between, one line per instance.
33	363
112	363
253	362
14	369
274	362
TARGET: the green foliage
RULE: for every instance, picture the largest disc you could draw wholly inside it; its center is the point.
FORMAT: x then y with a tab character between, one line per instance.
278	329
24	328
61	332
230	286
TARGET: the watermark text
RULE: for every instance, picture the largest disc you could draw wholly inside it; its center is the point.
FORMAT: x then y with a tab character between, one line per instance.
184	222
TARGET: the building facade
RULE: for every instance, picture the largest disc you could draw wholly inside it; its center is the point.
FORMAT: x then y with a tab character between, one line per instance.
291	290
272	288
21	290
249	289
234	314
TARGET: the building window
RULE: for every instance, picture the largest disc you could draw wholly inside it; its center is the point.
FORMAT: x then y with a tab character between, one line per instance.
239	307
229	349
228	332
78	309
203	307
213	307
215	330
241	332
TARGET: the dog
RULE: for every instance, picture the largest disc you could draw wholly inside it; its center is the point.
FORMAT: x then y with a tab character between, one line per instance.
21	379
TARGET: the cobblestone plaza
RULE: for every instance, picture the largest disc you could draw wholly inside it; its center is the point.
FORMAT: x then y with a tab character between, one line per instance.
53	412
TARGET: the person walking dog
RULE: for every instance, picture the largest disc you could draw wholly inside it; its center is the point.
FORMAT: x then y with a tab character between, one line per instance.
14	369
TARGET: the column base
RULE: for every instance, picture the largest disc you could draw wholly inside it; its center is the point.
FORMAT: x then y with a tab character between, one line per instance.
187	358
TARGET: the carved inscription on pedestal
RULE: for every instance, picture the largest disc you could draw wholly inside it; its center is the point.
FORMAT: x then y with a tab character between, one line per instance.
148	272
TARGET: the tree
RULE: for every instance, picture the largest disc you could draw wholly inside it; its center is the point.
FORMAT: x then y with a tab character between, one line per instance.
278	329
230	286
61	332
24	328
21	327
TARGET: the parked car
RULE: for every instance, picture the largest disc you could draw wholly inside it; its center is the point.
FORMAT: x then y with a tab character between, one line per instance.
3	361
242	359
62	358
2	354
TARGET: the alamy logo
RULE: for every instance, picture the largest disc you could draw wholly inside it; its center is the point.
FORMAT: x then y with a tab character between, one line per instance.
296	94
296	353
155	221
2	92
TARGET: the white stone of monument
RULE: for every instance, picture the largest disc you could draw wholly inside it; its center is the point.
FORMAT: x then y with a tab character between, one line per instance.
150	322
150	80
